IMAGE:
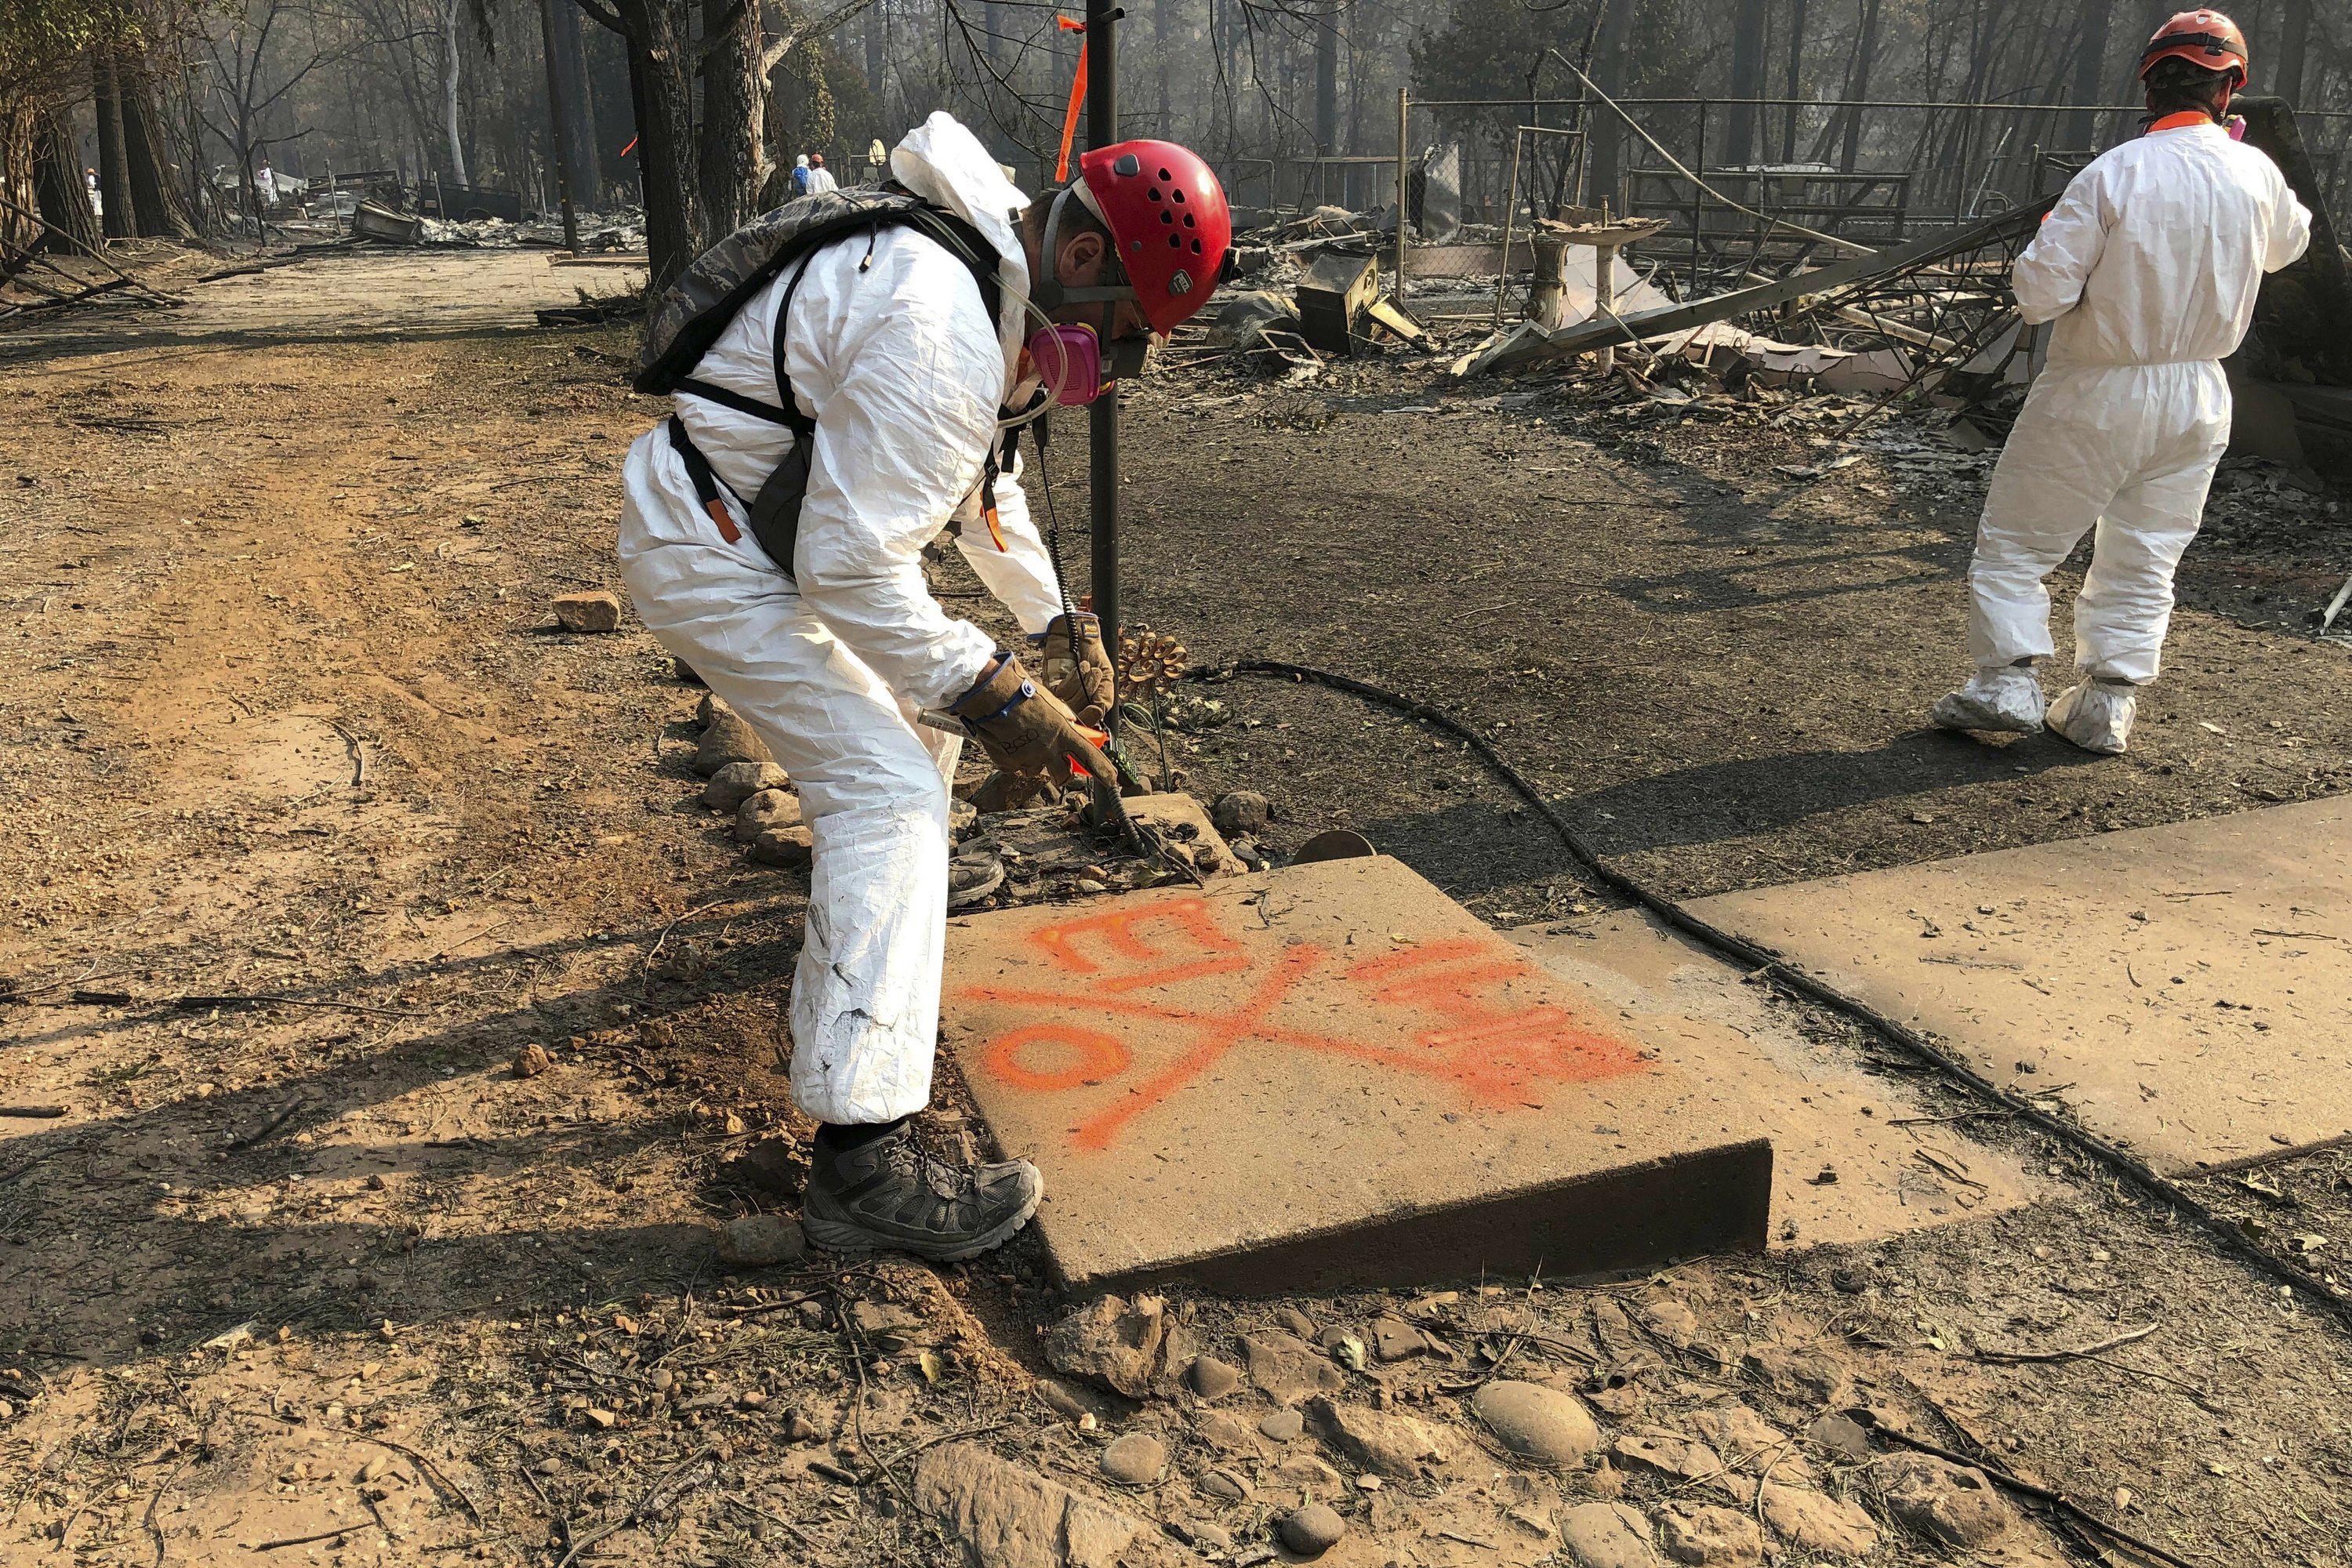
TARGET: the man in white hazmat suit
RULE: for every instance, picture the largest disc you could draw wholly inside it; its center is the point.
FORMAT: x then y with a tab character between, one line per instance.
889	349
2149	266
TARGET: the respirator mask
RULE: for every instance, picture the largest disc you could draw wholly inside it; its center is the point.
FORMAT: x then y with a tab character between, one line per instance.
1077	361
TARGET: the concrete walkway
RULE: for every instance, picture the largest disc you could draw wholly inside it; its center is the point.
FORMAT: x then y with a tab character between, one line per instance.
2186	990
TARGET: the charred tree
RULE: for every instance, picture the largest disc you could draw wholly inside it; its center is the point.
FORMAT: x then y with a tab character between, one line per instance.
2091	67
661	89
58	189
155	197
1793	90
1326	80
1747	80
118	214
733	113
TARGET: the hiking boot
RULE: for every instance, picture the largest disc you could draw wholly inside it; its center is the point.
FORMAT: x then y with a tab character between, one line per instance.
972	875
887	1195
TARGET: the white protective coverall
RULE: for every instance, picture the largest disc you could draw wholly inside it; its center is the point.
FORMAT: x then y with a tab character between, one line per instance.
2149	266
891	352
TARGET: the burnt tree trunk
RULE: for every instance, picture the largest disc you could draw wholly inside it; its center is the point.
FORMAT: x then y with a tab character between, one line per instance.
1794	88
120	216
58	190
665	150
1747	81
161	214
732	115
1857	84
2091	65
579	123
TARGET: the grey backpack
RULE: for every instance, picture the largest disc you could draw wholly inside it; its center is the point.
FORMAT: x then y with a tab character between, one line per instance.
710	293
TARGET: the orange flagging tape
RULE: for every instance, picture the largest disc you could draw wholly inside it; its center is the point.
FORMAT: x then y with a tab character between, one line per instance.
1077	101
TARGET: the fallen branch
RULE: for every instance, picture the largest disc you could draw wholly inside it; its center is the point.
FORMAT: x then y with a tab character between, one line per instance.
198	1004
2128	1336
309	1540
34	1113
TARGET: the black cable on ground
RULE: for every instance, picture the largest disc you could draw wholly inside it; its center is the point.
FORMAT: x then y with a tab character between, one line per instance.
1763	963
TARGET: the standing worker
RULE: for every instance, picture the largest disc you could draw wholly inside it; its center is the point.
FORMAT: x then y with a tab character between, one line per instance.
800	176
907	349
2149	266
820	178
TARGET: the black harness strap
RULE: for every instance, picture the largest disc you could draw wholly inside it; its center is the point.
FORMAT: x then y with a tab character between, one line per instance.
775	511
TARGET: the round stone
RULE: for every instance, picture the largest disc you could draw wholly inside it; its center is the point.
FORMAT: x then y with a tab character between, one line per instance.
1212	1379
1311	1530
1135	1460
1539	1425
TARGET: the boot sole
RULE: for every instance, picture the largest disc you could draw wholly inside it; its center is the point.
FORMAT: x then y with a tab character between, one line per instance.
1985	724
849	1237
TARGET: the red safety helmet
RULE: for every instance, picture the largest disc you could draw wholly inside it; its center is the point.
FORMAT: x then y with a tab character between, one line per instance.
1168	217
2204	38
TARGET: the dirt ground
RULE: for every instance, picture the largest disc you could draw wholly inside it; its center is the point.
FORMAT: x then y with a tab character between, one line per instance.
319	1277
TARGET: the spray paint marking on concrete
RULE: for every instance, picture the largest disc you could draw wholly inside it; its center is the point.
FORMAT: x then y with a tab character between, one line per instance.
1439	1009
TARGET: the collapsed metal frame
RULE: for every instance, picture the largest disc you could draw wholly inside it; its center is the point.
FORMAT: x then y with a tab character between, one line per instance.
1929	275
1983	160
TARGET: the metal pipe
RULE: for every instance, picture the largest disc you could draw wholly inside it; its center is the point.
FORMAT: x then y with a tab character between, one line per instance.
1404	126
1102	415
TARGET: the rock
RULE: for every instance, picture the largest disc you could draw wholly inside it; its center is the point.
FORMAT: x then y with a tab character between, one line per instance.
1667	1456
727	739
789	848
767	808
1282	1426
1213	1379
1287	1369
1749	1442
1816	1522
1228	1433
1009	1516
1711	1536
530	1061
1385	1444
1109	1342
596	611
1802	1375
1312	1531
1062	1399
1672	1321
1241	811
1305	1468
1842	1436
682	670
759	1240
1539	1425
1207	1537
1393	1339
1135	1459
1226	1486
1947	1503
1294	1321
1606	1535
735	782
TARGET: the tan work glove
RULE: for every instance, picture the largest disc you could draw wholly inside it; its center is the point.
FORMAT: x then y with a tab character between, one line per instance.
1076	667
1023	727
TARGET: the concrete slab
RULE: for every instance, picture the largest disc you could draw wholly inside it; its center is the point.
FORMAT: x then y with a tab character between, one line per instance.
1854	1157
2186	990
1329	1075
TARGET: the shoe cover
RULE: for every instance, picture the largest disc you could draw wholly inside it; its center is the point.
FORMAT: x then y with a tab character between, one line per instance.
2096	715
2005	698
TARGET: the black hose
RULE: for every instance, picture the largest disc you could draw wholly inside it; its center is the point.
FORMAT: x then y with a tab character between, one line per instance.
1760	963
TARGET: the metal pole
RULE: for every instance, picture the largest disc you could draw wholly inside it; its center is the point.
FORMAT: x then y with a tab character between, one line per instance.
556	126
1404	122
1102	415
1698	202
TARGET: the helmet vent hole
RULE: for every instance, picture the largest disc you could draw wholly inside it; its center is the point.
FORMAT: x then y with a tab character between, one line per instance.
1167	216
1176	196
1188	220
1153	193
1175	240
1166	175
1196	247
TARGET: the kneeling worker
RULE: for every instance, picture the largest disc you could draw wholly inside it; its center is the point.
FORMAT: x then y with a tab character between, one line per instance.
2149	266
855	363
